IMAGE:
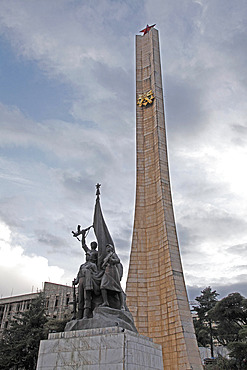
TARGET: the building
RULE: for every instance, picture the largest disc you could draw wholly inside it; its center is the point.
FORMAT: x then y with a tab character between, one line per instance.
14	306
156	293
58	300
58	303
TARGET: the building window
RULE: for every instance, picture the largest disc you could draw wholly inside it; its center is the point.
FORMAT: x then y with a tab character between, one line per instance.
47	302
67	299
10	309
56	301
1	312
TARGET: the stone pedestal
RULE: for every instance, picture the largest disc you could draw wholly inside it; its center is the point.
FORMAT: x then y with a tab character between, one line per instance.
104	317
111	348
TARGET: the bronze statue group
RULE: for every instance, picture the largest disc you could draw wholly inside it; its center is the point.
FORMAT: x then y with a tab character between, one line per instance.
99	282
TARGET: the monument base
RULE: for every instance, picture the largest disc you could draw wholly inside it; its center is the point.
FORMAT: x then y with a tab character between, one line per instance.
104	317
112	348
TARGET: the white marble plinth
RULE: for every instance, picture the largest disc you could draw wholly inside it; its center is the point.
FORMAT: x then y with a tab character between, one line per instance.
99	349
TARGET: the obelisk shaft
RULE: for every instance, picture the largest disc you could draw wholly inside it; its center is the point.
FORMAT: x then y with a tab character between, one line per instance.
155	289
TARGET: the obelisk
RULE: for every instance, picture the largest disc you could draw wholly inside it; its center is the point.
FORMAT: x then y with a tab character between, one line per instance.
156	292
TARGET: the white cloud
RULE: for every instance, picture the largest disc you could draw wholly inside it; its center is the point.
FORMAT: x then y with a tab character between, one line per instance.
20	272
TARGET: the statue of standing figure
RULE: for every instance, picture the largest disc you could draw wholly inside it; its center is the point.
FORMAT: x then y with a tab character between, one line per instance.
86	278
111	278
98	281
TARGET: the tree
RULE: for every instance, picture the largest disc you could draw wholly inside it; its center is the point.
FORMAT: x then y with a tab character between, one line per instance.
56	325
238	352
203	324
230	314
20	343
226	321
220	363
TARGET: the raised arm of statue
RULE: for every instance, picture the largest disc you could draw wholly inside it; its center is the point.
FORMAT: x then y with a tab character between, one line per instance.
84	246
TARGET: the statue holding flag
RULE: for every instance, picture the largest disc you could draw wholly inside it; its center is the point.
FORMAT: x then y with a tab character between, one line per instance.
99	278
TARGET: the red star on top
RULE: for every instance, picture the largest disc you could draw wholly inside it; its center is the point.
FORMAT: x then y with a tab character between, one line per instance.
147	29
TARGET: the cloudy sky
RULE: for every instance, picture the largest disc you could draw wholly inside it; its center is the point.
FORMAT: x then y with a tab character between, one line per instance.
67	121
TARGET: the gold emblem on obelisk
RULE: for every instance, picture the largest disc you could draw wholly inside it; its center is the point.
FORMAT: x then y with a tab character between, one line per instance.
146	98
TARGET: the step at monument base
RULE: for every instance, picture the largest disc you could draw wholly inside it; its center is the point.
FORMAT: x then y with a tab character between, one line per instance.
111	348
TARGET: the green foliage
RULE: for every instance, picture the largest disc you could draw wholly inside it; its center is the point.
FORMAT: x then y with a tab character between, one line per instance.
206	301
203	324
202	333
226	322
238	349
20	343
230	313
238	352
221	363
55	325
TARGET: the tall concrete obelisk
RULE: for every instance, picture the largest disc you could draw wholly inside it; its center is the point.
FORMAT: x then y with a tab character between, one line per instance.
155	289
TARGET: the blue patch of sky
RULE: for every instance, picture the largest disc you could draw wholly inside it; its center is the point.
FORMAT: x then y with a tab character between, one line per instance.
25	86
30	155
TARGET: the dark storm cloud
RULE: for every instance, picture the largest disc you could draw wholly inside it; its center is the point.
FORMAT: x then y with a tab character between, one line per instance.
193	292
240	287
223	290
